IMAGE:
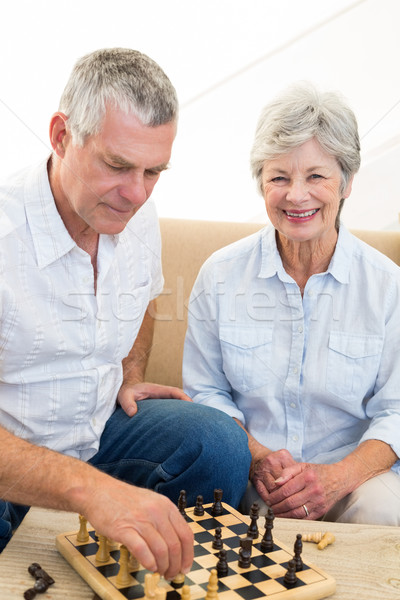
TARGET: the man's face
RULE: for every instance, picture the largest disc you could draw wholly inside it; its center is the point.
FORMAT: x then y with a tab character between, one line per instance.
103	183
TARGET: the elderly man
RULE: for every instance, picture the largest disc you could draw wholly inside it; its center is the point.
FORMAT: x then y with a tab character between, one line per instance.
80	271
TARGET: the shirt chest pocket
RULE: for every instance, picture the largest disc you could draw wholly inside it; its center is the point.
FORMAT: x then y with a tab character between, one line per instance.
353	363
246	355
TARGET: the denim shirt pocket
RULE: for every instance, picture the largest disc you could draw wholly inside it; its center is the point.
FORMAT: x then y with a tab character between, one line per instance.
353	364
246	355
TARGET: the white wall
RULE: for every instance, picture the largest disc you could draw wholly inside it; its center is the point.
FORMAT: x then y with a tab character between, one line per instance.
227	58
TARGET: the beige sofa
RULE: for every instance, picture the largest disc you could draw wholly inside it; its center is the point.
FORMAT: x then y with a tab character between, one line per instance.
186	245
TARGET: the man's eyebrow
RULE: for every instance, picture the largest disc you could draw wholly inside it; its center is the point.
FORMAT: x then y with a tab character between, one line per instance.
122	162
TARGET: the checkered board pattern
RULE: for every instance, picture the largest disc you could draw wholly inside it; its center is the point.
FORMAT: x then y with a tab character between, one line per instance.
264	578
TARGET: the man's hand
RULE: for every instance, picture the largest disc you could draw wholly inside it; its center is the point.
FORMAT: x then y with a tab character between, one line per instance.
147	523
131	393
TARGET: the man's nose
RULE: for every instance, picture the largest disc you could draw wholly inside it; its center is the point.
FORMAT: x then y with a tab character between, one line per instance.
134	189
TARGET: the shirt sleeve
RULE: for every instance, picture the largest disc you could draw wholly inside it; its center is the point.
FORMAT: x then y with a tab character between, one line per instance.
383	408
204	379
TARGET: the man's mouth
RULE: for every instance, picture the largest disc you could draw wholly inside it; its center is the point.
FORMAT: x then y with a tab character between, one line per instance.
301	215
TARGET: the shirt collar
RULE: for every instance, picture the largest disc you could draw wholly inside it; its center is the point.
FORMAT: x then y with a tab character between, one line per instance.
339	267
50	237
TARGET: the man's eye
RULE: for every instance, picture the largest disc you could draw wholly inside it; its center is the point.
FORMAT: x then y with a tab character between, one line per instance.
113	167
152	173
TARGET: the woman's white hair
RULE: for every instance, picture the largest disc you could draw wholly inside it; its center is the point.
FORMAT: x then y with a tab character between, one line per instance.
300	113
120	77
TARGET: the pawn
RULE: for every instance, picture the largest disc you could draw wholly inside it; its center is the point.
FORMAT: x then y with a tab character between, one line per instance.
222	565
298	547
217	508
199	509
124	578
212	588
178	580
150	584
182	502
103	553
218	543
82	535
160	593
253	529
185	595
315	537
327	538
290	578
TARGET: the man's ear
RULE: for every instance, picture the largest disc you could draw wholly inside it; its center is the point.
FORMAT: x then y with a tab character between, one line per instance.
59	136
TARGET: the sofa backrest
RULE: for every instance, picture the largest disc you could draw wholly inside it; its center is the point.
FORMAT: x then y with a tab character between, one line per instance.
186	245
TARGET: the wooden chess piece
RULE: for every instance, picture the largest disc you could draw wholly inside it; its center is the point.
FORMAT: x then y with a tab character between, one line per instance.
212	588
253	529
178	580
124	578
218	543
246	545
182	503
327	538
267	543
298	547
185	595
217	508
222	565
199	509
83	534
103	553
150	584
290	578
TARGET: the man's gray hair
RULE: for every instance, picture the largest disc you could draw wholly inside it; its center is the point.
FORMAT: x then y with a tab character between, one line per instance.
121	78
300	113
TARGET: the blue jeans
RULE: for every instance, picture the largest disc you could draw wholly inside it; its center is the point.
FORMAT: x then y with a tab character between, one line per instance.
169	445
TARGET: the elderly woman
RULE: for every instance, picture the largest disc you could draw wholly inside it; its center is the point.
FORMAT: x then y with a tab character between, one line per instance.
295	330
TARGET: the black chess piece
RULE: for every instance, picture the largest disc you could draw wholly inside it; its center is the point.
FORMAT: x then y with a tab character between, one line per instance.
222	565
298	547
290	578
246	545
217	508
253	529
218	543
267	543
182	502
199	509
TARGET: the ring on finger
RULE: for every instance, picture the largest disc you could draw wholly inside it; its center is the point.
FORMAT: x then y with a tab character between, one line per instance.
306	510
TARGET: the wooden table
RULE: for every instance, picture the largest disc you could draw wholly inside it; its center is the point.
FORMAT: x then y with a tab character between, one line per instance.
364	560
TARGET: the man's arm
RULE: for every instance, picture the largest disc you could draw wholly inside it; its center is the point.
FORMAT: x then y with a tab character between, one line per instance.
133	387
147	523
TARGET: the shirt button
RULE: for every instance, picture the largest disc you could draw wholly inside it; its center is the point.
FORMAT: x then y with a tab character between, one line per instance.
300	329
310	293
295	370
293	405
295	438
86	279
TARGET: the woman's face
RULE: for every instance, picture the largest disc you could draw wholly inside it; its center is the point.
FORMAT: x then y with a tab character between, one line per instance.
302	192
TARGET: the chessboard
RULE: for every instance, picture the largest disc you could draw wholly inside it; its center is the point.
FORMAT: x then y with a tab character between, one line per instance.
265	578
